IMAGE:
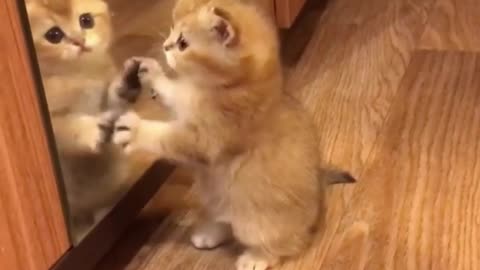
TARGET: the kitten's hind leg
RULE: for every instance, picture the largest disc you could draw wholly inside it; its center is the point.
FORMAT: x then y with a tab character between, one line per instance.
210	234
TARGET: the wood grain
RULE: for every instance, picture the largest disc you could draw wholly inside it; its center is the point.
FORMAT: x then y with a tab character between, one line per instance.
32	227
453	25
351	70
416	207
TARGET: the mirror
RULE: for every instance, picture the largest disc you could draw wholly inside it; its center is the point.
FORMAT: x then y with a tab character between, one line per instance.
80	46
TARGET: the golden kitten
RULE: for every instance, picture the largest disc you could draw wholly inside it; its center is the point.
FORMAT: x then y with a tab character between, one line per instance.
252	148
71	39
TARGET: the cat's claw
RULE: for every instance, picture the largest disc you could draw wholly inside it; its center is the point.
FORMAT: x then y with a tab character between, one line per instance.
125	131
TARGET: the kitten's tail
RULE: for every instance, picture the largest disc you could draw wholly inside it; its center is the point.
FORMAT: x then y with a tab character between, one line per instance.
336	176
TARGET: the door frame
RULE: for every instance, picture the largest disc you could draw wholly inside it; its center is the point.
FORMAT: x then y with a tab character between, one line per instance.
33	234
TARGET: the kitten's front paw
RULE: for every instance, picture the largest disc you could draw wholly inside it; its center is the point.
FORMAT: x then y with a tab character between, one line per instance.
125	131
95	131
249	261
149	69
128	86
125	87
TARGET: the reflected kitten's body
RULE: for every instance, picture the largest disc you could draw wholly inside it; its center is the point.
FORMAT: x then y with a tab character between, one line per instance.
71	39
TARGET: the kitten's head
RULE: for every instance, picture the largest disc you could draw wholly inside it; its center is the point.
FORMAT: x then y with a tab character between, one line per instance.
66	31
222	44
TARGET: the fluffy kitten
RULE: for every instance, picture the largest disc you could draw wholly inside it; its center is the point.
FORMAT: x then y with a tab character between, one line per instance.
253	148
71	39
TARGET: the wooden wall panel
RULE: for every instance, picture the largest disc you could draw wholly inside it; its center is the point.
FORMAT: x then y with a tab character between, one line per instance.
32	231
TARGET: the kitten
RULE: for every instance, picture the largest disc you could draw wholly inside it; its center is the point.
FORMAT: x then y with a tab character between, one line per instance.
72	38
184	7
252	148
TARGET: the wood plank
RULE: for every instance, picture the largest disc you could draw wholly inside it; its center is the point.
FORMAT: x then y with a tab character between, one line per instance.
350	72
32	227
453	25
347	79
416	207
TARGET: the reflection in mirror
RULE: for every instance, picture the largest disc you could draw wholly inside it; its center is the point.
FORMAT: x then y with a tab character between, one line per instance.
75	47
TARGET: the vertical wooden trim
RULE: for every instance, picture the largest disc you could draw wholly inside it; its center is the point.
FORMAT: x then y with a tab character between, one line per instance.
286	11
33	234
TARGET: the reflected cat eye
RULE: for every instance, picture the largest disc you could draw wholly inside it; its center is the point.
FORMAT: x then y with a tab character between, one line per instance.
54	35
86	21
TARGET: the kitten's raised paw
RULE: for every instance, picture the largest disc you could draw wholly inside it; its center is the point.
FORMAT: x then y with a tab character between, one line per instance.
125	131
249	261
149	68
126	87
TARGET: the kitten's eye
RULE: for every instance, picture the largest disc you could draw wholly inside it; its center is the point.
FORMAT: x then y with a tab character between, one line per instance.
86	21
54	35
182	43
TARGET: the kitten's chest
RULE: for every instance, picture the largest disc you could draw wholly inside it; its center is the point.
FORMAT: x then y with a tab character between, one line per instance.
77	94
92	97
184	101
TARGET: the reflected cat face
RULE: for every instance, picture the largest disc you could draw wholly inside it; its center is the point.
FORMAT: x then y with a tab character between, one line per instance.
69	30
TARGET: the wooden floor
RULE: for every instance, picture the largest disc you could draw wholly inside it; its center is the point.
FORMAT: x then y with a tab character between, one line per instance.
395	90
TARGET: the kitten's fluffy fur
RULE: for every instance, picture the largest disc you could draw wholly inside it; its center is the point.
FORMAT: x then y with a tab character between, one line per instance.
253	148
76	73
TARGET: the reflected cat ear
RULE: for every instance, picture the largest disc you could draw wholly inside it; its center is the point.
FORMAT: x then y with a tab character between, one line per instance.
222	26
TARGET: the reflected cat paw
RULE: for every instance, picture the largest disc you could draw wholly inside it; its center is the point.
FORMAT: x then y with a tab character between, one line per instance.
125	131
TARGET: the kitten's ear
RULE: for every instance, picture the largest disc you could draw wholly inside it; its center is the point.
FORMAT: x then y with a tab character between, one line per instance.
222	26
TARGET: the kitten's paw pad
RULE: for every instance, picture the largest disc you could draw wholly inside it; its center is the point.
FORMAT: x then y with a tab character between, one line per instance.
125	130
128	87
248	261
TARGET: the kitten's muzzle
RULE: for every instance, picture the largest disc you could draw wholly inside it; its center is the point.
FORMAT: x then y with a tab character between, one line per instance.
79	42
168	47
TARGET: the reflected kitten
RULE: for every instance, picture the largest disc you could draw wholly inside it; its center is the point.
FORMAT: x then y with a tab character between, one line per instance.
72	38
253	148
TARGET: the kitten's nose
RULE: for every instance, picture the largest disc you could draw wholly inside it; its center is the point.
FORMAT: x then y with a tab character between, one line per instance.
80	42
168	47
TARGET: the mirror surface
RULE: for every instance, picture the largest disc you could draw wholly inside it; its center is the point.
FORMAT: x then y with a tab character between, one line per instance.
80	48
